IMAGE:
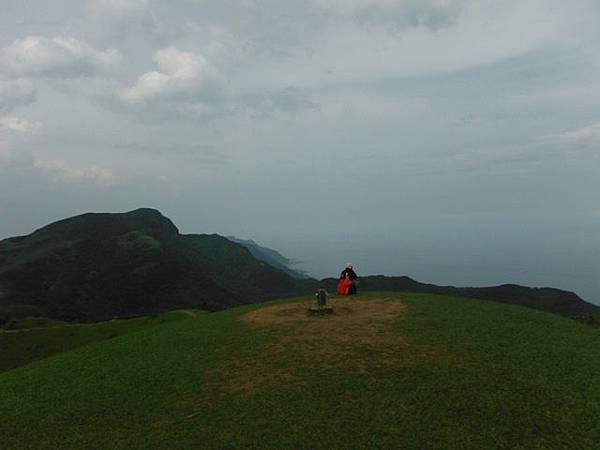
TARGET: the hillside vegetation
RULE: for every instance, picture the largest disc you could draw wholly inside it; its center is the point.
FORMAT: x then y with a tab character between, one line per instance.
388	370
99	266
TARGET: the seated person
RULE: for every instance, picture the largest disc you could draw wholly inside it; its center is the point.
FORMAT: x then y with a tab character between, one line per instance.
347	283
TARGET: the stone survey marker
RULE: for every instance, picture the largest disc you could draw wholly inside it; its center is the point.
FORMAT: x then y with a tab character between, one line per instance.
321	307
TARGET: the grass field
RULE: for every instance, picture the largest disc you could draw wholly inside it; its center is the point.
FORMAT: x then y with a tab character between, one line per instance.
37	338
387	370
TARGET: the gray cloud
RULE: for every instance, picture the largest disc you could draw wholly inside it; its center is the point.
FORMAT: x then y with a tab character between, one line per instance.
396	15
120	5
14	93
288	100
203	153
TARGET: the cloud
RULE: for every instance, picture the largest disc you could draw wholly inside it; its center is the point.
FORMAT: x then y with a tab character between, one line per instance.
184	81
5	153
120	17
201	152
62	171
590	133
55	170
14	160
19	125
58	56
15	93
120	5
397	14
290	99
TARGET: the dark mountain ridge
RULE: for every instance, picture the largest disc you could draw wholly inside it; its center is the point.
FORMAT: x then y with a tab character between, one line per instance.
97	266
97	225
547	299
270	256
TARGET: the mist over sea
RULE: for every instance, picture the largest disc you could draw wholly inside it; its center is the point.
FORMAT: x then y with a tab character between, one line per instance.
540	258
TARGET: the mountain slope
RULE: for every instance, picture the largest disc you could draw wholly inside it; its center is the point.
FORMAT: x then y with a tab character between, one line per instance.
232	265
97	266
270	256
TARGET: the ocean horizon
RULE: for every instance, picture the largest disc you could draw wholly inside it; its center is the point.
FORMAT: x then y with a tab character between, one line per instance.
459	260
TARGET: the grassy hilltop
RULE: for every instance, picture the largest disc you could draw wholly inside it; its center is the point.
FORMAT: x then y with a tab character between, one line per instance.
388	370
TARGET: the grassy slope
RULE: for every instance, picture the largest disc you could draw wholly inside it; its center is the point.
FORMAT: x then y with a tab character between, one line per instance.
46	337
448	373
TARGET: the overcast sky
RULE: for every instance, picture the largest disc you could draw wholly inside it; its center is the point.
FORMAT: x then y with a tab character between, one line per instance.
270	118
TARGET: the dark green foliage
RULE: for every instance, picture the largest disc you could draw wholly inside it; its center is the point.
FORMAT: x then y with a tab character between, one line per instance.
15	316
99	266
98	225
589	319
233	265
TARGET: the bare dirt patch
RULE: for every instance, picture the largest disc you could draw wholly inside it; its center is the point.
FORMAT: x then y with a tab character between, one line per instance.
350	311
359	338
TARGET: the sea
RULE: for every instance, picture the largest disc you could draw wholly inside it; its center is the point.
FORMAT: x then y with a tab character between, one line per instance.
569	261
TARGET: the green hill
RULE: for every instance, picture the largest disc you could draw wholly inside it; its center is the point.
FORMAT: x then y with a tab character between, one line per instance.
96	267
43	338
388	370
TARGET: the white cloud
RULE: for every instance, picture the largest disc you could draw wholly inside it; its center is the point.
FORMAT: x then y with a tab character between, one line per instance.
15	93
184	80
590	133
19	125
180	74
55	170
58	56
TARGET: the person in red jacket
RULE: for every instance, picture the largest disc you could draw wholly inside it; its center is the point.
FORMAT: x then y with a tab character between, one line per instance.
347	283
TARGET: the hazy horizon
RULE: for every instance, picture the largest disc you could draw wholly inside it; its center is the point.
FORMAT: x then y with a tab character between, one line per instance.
456	255
453	141
478	264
